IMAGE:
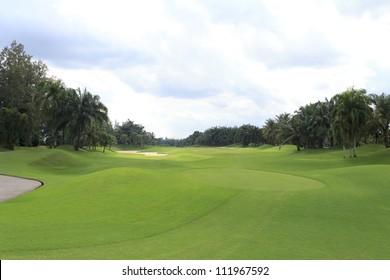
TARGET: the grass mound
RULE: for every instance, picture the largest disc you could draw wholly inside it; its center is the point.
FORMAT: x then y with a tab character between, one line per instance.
58	159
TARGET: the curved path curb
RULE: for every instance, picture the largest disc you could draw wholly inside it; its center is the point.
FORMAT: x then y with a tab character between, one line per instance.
12	186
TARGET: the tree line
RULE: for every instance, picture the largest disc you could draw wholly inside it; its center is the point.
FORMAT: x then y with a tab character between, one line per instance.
347	119
218	136
39	110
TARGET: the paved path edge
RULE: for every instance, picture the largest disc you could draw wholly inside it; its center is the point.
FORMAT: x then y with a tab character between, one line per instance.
4	196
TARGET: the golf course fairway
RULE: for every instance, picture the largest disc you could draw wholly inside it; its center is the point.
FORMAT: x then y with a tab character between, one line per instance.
198	203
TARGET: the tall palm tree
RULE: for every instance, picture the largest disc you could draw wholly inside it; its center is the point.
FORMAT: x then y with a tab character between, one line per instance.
269	131
321	122
304	121
290	130
52	102
351	114
382	115
87	109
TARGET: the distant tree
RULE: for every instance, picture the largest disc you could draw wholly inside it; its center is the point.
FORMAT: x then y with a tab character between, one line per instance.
382	115
53	105
171	142
20	76
123	139
248	134
314	123
107	140
219	136
92	135
351	114
196	136
322	122
303	125
87	110
290	130
133	134
12	125
269	132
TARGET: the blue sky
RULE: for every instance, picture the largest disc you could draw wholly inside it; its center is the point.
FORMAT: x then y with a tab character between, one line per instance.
180	66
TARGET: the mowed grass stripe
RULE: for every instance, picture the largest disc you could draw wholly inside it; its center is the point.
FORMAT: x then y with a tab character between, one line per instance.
252	179
105	207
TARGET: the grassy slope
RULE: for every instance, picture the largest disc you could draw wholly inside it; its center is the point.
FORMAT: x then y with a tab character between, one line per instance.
193	205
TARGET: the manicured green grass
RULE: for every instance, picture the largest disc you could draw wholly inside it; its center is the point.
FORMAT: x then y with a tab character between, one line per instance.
198	203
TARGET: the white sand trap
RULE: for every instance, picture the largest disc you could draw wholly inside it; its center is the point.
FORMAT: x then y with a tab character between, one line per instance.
148	154
11	187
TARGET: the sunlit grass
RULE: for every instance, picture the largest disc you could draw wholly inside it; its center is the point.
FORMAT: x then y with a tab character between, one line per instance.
198	203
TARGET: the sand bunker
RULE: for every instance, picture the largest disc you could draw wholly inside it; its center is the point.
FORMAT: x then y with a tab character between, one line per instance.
148	154
11	187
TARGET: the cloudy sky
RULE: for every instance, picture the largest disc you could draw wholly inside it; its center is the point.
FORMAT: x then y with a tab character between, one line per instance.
180	66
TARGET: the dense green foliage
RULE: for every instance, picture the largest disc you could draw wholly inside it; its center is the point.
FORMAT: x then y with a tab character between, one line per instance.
224	136
198	203
12	124
37	110
381	120
40	110
348	119
129	133
19	94
351	115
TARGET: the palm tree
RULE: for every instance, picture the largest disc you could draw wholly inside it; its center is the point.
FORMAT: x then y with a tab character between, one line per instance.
290	130
87	110
321	122
53	95
304	121
12	124
269	131
382	115
351	114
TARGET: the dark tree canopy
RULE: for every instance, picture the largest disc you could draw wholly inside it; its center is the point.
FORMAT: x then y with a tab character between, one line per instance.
36	109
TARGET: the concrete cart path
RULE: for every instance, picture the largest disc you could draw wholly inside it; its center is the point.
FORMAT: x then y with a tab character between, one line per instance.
11	187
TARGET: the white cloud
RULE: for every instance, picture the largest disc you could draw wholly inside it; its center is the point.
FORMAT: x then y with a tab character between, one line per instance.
165	116
180	66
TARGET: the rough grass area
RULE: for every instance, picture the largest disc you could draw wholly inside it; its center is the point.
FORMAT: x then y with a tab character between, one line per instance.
198	203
